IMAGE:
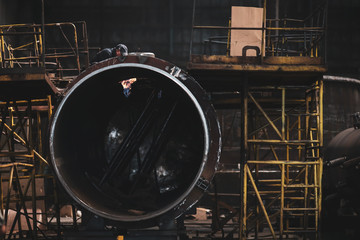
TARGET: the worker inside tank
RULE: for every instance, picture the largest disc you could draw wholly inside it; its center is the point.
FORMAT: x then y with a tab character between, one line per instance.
119	51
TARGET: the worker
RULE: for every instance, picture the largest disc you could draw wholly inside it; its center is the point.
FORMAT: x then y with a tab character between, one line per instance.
119	51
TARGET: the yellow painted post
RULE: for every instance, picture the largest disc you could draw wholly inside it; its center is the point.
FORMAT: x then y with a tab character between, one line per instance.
306	192
260	201
49	106
228	40
283	113
282	200
321	140
11	115
316	200
307	117
36	49
2	52
244	199
41	45
321	131
287	179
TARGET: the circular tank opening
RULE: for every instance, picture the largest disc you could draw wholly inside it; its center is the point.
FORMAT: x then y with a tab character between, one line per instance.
128	143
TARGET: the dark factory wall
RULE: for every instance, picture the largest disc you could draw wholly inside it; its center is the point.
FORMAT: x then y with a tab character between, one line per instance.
340	102
161	26
344	37
20	11
164	26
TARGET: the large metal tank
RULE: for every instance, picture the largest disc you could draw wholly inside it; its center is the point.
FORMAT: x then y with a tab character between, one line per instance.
135	140
342	182
343	154
341	178
341	100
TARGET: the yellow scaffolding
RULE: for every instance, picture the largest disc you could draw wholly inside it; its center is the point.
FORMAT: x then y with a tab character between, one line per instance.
281	117
30	73
23	168
23	45
281	165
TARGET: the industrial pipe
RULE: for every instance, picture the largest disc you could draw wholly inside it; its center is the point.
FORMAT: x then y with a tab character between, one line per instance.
135	140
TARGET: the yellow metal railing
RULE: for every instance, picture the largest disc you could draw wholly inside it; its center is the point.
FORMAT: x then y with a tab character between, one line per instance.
280	37
66	51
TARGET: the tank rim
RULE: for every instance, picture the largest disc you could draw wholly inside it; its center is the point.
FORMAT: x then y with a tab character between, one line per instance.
172	205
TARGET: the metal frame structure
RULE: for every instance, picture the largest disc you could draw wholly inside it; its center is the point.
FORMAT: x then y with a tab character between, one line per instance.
280	37
281	165
31	75
281	95
23	168
281	127
66	53
280	162
29	192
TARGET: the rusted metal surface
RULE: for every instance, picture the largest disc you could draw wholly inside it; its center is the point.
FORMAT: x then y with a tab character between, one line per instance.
21	77
295	60
19	84
139	157
256	64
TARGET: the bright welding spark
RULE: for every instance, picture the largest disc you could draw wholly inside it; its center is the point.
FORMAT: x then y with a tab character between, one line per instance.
127	86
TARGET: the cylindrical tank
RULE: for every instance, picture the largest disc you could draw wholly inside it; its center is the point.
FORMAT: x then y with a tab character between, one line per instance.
341	97
342	162
135	140
344	146
341	182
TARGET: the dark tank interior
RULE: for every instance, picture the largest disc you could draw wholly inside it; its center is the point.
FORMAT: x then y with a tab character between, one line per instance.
128	149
